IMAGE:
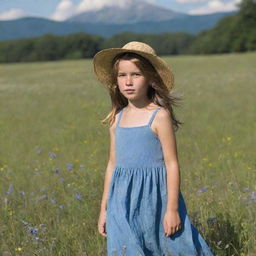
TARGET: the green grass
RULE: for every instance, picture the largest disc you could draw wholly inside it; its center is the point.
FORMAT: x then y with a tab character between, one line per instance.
57	107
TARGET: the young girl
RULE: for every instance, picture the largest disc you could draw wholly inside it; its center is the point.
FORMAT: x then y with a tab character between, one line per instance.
143	212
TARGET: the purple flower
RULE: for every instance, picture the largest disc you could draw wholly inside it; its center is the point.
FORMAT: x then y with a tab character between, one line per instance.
52	155
253	195
10	190
53	201
57	171
41	197
22	193
69	166
78	196
38	150
32	230
203	189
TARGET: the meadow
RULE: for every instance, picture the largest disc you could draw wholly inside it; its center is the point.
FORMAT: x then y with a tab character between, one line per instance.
54	151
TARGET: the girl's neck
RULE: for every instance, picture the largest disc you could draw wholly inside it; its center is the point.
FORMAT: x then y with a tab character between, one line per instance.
139	106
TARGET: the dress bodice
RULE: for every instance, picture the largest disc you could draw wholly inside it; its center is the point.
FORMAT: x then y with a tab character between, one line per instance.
138	146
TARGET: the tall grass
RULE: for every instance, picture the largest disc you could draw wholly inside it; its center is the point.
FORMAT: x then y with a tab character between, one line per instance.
54	151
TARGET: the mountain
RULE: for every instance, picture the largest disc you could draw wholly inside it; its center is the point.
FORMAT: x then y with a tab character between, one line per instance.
33	27
136	11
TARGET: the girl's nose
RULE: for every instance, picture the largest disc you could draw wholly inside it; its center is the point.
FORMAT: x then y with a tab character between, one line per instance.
128	80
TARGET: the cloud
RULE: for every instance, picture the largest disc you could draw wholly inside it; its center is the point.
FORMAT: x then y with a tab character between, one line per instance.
189	1
216	6
12	14
64	10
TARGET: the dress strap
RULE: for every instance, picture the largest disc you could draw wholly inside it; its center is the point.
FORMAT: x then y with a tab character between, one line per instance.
153	115
119	117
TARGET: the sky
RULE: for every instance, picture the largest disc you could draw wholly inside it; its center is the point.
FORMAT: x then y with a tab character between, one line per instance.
60	10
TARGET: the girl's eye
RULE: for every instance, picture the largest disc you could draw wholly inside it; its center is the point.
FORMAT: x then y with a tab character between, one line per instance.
120	75
137	74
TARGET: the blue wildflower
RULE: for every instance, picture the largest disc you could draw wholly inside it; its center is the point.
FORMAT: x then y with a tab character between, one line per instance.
253	195
203	189
57	171
69	166
52	155
38	150
78	196
10	190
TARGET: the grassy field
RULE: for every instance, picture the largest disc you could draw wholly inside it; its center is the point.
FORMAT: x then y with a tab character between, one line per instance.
54	151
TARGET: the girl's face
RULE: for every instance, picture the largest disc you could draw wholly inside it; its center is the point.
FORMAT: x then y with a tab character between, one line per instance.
131	82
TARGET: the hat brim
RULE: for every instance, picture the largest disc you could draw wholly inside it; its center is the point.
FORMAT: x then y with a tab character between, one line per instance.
102	63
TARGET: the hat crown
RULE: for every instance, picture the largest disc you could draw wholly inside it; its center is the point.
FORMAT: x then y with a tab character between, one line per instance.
139	46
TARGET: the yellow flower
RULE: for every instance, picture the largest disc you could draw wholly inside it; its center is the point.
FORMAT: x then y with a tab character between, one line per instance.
85	141
210	164
249	168
19	249
205	159
229	138
76	160
1	169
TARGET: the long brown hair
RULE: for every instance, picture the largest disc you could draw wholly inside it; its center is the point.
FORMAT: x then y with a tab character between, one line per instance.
157	92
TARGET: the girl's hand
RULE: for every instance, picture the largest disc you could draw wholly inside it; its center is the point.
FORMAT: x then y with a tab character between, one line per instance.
102	223
172	222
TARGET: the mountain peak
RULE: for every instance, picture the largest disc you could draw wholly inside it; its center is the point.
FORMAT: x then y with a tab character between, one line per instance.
135	11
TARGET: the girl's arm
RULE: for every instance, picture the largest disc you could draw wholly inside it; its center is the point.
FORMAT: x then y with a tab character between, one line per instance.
165	132
110	167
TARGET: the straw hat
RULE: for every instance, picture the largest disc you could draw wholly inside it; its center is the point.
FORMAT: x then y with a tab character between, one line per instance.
102	62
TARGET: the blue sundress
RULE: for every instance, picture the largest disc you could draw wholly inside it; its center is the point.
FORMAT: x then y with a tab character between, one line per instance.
137	200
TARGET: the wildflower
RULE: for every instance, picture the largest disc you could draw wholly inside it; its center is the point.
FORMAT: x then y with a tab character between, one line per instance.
32	230
53	201
19	249
38	150
10	190
22	193
57	171
52	155
82	166
61	207
41	197
253	195
78	196
203	189
69	166
205	159
24	222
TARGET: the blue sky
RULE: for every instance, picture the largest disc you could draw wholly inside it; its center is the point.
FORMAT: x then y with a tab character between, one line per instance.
63	9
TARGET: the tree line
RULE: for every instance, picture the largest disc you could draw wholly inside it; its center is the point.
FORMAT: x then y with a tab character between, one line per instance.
235	33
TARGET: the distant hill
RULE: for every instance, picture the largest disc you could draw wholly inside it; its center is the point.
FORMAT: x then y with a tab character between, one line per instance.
235	33
137	11
33	27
